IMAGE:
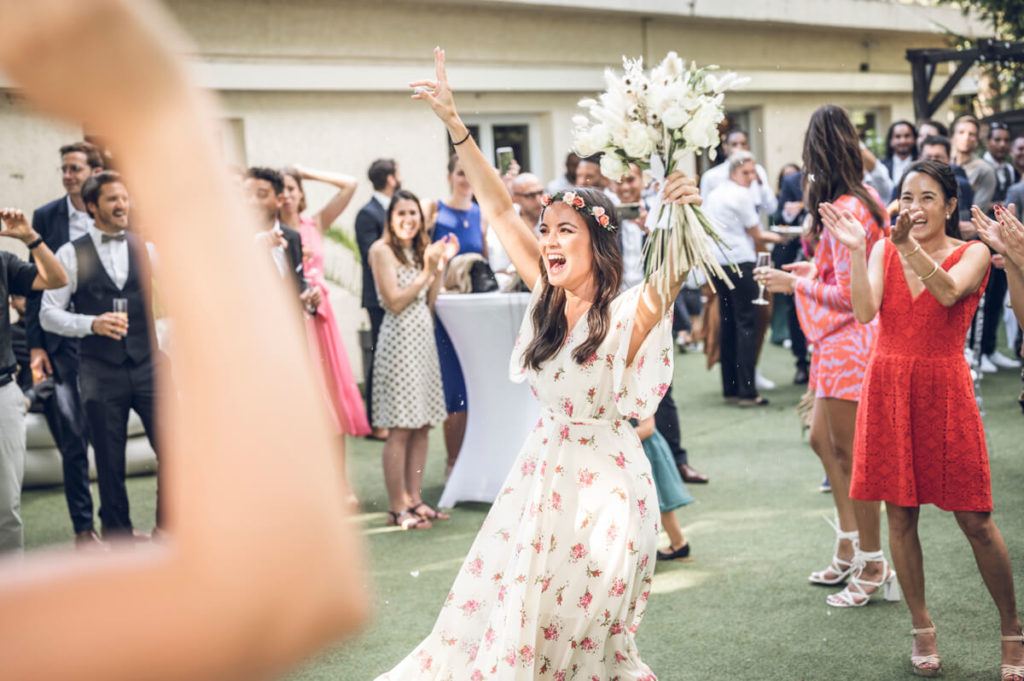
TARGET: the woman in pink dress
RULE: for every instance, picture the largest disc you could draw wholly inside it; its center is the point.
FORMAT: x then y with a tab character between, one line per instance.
833	173
347	407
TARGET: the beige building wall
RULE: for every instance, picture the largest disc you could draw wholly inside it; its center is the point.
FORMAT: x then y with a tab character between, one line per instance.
323	82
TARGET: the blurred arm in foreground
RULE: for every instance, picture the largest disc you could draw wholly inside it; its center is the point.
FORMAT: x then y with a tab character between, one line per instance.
260	567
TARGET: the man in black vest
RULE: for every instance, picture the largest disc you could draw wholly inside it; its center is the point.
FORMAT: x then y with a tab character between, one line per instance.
385	179
116	371
58	223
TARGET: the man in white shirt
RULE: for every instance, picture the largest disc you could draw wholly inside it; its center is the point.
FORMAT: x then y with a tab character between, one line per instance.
60	222
731	208
760	189
980	174
108	272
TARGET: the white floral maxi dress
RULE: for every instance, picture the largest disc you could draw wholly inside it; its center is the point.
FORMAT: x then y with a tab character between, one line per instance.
557	580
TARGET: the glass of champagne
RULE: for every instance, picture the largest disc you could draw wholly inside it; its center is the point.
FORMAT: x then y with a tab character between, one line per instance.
764	261
121	308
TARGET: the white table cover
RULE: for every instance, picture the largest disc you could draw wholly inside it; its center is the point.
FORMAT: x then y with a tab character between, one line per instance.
483	328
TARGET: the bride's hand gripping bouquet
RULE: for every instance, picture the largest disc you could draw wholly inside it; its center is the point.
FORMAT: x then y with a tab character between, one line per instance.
655	120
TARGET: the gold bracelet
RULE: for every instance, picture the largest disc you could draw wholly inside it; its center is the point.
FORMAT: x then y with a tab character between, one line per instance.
929	275
912	252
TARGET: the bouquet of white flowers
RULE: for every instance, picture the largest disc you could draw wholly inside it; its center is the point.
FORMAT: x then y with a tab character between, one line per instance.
654	120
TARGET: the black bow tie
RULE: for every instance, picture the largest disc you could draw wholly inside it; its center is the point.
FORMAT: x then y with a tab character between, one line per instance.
120	236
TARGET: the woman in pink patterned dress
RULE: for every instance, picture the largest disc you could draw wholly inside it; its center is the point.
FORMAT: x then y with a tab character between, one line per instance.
834	172
326	346
557	581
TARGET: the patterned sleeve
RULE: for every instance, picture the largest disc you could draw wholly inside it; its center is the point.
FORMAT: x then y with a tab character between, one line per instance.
640	386
824	307
517	371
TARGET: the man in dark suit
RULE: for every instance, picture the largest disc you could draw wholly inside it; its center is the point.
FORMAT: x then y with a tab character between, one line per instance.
106	267
791	212
264	188
58	223
384	176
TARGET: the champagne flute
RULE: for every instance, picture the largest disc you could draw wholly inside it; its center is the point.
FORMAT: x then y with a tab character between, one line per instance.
764	261
121	307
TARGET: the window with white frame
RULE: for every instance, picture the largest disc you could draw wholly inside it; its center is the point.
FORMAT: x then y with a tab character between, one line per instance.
521	132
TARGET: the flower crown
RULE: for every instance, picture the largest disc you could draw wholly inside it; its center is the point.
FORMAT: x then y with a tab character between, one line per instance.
577	202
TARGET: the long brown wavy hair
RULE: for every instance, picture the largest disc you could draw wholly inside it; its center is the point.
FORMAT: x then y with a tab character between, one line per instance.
419	242
833	165
549	325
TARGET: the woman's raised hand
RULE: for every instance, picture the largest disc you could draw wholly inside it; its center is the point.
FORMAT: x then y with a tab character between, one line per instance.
843	226
900	233
1012	232
437	92
988	229
681	188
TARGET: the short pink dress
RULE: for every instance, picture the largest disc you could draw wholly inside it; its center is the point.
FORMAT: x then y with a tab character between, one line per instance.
347	406
842	345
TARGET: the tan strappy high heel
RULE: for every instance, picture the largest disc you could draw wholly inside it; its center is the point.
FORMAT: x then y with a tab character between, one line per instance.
1013	672
925	665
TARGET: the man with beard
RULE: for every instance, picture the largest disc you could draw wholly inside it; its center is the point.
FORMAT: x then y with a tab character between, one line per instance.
107	270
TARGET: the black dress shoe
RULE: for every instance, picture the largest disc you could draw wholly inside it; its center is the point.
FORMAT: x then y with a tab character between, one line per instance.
691	476
682	553
801	376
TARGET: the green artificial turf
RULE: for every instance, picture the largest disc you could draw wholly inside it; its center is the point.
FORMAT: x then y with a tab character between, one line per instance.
743	608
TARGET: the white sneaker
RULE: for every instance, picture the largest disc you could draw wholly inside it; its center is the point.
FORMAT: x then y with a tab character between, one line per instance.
1002	361
987	367
969	356
763	383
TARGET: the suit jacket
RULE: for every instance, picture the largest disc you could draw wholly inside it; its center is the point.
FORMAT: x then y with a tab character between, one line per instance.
51	223
369	228
1015	195
294	253
791	190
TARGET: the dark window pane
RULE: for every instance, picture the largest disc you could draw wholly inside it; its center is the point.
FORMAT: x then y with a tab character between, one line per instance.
517	137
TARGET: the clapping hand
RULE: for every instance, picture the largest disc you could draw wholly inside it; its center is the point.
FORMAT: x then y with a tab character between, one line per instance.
1012	232
434	256
15	225
437	93
900	233
843	226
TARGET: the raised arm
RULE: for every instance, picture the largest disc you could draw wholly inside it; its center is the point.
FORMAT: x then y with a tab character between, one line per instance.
384	265
212	592
948	287
654	303
867	278
515	235
1007	238
14	224
346	185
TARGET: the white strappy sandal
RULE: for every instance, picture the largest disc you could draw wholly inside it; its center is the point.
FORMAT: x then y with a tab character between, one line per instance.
838	566
925	665
1012	672
855	594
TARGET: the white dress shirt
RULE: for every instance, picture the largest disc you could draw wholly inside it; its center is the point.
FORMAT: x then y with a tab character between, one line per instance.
54	315
899	166
632	254
79	221
383	199
731	209
764	199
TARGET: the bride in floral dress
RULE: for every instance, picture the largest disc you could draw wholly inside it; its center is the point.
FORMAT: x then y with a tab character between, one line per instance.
557	580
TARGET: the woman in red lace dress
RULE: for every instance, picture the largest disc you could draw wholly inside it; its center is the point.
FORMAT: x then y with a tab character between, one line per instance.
919	437
834	171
